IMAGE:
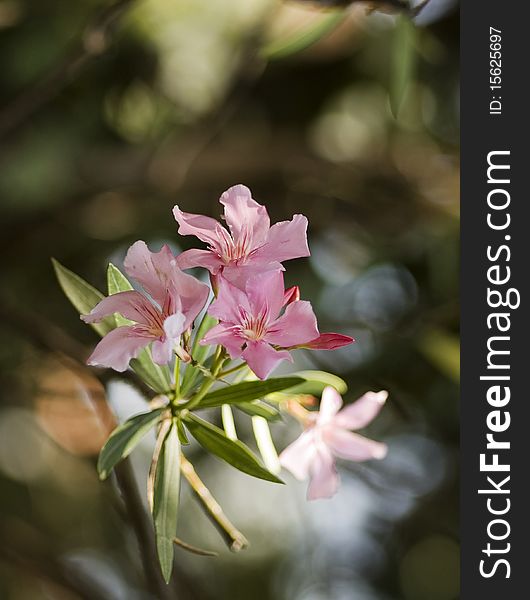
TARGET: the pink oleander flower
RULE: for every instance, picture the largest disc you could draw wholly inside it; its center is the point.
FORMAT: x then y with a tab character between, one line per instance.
250	244
328	435
261	322
175	301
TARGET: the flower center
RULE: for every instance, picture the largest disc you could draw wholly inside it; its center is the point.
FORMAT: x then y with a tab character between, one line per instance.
230	250
154	328
254	328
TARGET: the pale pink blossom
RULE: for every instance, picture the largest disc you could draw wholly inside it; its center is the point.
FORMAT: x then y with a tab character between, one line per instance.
260	322
327	436
249	244
175	300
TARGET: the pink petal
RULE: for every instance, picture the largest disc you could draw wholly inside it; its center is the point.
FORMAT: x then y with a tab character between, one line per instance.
297	325
226	336
265	294
162	351
323	473
361	412
231	303
175	326
190	293
248	221
297	457
199	258
286	240
239	274
352	446
329	405
132	305
205	228
291	294
329	341
263	358
160	276
152	270
117	348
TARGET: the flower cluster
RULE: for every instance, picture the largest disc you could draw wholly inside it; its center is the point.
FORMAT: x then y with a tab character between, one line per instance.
253	320
259	321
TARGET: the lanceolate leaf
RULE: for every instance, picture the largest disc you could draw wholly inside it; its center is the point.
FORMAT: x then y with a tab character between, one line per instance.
303	37
123	440
266	447
116	281
82	295
234	452
155	376
247	391
316	381
166	500
404	55
260	409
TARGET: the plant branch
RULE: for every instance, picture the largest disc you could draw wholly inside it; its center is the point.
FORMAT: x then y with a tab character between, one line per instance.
235	540
95	41
143	530
193	549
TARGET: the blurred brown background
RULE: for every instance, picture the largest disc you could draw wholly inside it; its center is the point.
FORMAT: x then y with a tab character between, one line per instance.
109	117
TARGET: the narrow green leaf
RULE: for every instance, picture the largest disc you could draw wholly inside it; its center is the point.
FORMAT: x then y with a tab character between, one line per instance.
183	437
266	446
198	352
316	381
82	295
229	426
157	377
403	61
260	409
234	452
123	440
166	500
116	280
303	37
247	391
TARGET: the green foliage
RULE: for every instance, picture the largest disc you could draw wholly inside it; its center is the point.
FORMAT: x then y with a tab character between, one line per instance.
166	500
82	295
303	37
124	439
260	409
403	62
266	447
234	452
247	391
316	381
199	353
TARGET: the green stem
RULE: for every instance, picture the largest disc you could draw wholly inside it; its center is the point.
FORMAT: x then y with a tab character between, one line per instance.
218	362
235	539
232	370
177	377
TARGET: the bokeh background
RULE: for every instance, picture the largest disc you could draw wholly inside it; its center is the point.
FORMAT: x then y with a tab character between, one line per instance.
110	116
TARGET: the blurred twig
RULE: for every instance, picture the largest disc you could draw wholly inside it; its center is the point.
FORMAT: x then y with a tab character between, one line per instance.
143	530
233	537
94	42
